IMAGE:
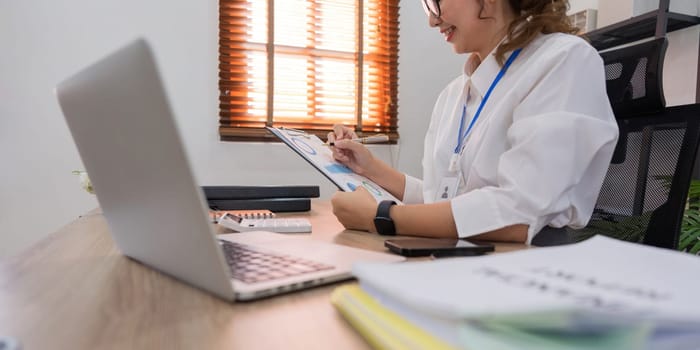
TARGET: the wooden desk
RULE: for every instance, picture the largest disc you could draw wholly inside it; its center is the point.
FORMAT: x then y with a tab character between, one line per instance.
74	290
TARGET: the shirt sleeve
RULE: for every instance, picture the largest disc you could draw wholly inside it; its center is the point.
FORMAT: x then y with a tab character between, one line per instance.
413	190
561	141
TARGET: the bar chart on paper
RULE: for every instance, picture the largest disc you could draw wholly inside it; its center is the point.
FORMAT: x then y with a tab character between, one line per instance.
320	156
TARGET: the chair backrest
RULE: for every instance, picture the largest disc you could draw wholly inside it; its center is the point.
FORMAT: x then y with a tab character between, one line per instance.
645	189
634	77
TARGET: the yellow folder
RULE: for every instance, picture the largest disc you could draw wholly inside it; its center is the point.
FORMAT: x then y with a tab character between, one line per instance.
381	327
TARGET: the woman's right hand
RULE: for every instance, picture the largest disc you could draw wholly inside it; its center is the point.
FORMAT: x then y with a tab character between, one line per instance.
352	154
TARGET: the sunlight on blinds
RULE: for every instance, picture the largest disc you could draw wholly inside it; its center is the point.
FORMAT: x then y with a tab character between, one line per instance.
312	70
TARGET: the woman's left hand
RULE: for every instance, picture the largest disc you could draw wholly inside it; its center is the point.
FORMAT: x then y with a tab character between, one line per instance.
355	210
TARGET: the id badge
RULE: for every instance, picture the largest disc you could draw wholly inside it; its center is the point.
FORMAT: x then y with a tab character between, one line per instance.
448	188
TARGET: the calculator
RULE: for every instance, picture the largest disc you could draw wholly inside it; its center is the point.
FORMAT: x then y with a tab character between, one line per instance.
281	225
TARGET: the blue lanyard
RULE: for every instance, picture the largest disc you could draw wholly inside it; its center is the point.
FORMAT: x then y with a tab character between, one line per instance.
462	137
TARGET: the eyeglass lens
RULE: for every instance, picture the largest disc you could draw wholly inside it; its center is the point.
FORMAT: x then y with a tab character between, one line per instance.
432	7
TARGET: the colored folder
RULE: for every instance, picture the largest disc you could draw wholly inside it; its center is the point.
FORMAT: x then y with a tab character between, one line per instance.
380	327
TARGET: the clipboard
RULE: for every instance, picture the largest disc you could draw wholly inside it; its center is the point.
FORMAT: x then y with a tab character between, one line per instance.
314	151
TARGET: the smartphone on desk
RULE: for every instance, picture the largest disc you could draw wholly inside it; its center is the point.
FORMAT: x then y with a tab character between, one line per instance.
437	247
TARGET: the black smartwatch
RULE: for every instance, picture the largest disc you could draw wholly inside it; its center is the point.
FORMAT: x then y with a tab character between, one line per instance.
383	222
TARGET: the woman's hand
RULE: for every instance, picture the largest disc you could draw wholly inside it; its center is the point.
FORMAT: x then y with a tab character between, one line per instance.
353	155
341	132
355	210
360	160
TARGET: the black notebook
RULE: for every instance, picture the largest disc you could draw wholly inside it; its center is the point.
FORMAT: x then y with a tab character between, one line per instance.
260	192
272	204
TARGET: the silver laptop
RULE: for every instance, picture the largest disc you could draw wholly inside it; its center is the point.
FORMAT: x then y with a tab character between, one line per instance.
118	114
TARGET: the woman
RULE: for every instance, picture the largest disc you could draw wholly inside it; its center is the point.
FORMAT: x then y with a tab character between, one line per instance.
521	141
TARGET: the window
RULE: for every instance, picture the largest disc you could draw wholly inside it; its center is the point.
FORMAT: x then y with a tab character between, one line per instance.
307	64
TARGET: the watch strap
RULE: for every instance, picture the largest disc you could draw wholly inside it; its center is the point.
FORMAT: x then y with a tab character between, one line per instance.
383	221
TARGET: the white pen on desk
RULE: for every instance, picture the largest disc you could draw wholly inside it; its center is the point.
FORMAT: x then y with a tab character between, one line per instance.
369	139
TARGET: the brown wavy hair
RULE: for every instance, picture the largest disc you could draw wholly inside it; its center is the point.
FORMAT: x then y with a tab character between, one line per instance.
534	17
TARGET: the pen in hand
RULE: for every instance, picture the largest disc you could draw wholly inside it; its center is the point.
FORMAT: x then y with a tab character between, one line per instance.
369	139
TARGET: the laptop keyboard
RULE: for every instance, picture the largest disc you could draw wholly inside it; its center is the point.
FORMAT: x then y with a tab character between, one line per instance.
251	265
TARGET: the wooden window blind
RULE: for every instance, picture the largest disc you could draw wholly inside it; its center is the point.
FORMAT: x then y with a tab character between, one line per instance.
307	64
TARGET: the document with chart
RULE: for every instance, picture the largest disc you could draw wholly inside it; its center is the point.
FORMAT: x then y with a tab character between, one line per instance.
316	152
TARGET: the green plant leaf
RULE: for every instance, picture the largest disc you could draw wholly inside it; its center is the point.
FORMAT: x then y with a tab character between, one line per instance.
688	237
689	240
696	248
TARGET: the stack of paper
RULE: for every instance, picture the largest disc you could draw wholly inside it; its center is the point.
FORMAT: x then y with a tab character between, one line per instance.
597	294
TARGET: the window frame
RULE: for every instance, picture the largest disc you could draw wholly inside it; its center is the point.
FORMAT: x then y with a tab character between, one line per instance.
242	126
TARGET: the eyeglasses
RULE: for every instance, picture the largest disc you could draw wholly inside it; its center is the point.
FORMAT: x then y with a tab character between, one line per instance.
432	8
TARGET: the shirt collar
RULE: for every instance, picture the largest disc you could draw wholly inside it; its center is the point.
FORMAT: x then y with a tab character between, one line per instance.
482	73
482	76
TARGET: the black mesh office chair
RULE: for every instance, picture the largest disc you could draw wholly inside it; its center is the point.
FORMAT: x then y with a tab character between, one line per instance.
644	193
633	77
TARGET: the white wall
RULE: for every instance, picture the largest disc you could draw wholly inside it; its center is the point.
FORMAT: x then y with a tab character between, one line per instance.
45	41
578	5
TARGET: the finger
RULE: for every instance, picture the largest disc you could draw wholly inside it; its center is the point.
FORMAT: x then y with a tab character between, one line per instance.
337	153
339	131
331	137
349	146
343	132
341	157
366	192
363	195
339	201
361	189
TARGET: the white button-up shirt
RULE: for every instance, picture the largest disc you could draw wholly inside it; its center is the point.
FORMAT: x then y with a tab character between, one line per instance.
539	151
